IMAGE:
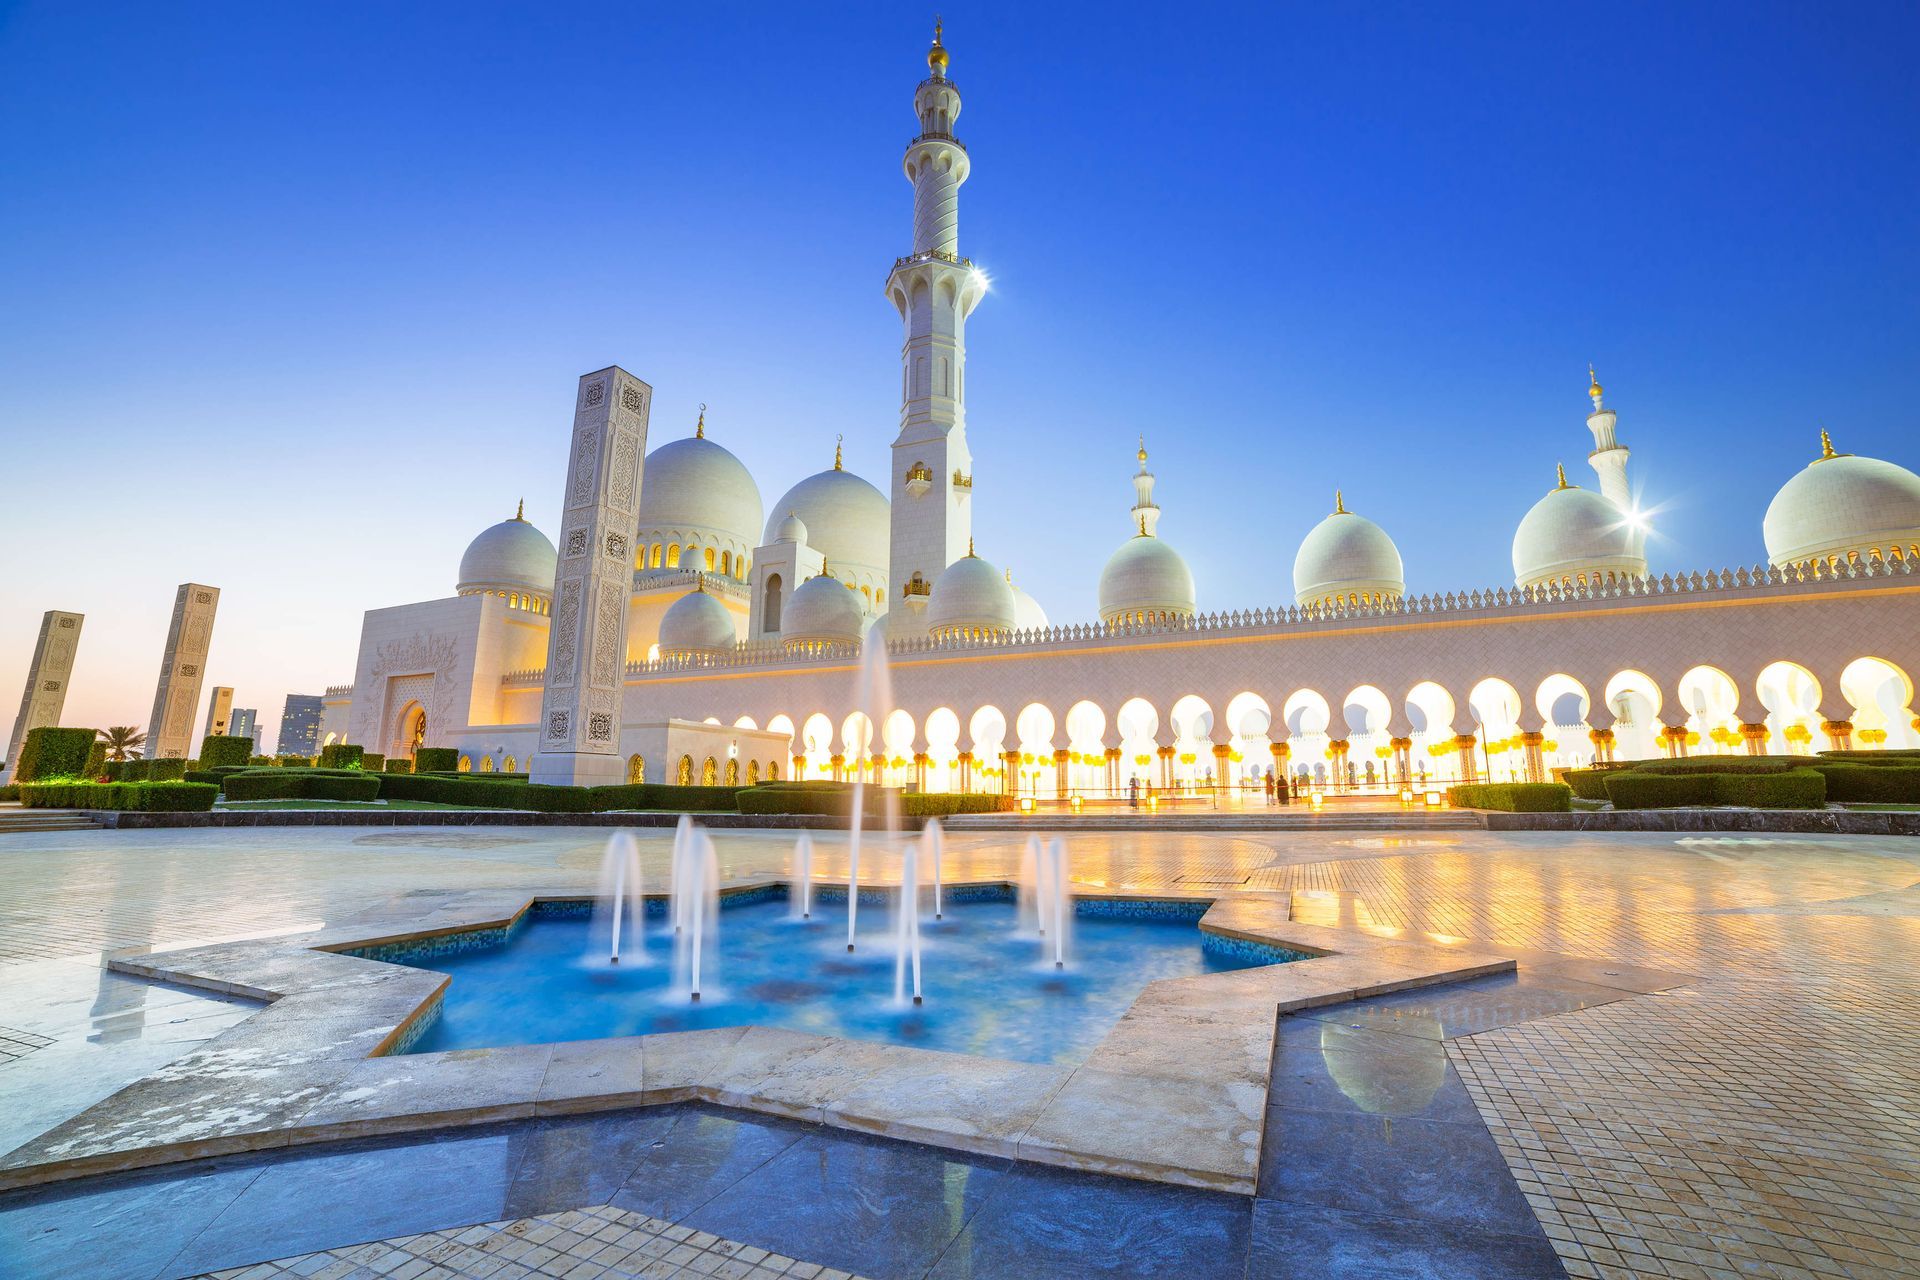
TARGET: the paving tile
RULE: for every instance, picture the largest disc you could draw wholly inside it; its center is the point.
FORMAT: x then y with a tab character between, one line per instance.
1304	1242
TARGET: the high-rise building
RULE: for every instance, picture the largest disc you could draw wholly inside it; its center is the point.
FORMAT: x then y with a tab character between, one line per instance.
219	712
246	724
300	726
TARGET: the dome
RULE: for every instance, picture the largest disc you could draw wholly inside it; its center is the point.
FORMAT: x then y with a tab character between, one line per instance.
970	597
1840	506
693	492
822	610
1347	556
845	520
1145	576
1027	613
509	556
1575	533
793	529
697	624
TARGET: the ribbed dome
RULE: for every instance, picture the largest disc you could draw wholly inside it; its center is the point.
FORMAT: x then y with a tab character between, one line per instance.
1027	613
1347	556
970	597
822	610
845	518
510	556
1145	576
697	624
1840	506
1575	534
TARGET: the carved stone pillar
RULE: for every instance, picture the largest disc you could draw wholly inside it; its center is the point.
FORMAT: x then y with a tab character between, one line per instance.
1166	768
1402	761
1337	749
1463	745
48	675
838	764
1113	771
920	771
1282	789
799	768
1536	765
182	669
1009	772
1602	740
1675	737
1061	759
580	705
1756	736
966	771
1222	766
1839	734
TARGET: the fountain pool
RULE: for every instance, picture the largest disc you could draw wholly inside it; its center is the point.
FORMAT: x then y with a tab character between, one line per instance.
989	989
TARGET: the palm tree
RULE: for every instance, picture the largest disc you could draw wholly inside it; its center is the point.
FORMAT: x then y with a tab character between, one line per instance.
123	741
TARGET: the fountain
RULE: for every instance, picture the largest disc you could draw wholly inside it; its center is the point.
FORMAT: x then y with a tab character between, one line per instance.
695	906
803	863
1061	885
682	849
873	699
1029	889
620	908
930	838
907	926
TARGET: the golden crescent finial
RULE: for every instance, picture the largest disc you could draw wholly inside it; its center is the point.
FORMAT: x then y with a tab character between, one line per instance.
1560	468
1826	446
700	427
1339	503
1143	451
970	547
520	512
836	451
1593	385
1143	526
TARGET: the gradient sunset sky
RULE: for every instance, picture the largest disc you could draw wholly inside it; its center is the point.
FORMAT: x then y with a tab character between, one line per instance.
295	295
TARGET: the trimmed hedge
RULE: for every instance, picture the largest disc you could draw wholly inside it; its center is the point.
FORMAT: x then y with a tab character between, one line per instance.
1793	789
1724	764
1513	797
340	755
10	792
1589	784
436	760
661	795
294	762
218	749
51	752
834	799
397	765
1856	782
172	769
373	762
915	804
177	797
293	784
96	766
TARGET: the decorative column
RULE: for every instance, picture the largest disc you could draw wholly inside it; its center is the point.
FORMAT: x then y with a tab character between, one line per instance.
1602	740
1676	739
1463	744
182	668
1166	768
1839	734
966	771
1536	765
48	675
1755	736
920	771
580	703
1402	760
1113	771
1009	772
1060	761
1222	764
799	768
838	764
1282	785
1337	749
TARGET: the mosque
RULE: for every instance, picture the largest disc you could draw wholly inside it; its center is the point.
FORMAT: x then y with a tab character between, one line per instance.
744	622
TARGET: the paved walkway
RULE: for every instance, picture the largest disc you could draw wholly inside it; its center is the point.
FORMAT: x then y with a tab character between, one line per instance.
1762	1121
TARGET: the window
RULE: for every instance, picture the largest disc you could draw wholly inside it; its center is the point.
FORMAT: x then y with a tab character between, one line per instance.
466	764
636	769
685	778
709	559
733	773
511	766
726	563
653	557
710	773
773	771
753	772
770	604
486	764
673	557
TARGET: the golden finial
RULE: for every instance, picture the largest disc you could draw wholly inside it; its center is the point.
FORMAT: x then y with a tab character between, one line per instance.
520	512
1561	469
937	55
1339	504
970	546
1826	446
700	427
836	451
1143	451
1143	526
700	582
1593	386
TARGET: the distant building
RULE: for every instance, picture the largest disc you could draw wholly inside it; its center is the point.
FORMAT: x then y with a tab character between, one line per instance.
219	712
299	726
246	724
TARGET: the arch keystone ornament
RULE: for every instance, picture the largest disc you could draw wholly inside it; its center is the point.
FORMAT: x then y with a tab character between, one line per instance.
580	698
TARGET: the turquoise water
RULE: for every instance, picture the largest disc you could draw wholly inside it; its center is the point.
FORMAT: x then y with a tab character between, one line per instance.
987	990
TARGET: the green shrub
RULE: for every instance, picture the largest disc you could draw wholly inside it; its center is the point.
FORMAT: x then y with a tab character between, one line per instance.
1513	797
96	766
340	755
1589	784
294	762
834	799
176	797
914	804
217	749
373	761
484	793
1853	782
257	761
291	784
397	765
51	752
129	770
203	775
1896	756
1632	789
1793	789
172	769
1723	764
9	793
436	760
660	795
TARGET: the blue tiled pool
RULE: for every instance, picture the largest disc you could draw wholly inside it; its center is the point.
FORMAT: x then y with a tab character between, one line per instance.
987	990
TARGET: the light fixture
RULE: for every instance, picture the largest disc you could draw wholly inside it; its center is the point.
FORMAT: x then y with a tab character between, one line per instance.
1075	803
1026	804
1433	799
1406	796
1318	800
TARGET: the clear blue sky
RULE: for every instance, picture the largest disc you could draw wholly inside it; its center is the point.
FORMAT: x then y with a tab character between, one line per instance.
295	295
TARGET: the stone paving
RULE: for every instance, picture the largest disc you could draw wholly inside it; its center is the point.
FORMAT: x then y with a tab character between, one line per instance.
1763	1120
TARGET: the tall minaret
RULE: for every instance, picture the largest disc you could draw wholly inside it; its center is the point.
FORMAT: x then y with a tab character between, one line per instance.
1609	456
1145	514
934	289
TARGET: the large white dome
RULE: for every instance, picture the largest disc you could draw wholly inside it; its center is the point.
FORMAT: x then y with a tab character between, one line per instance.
1575	535
697	624
509	556
697	500
845	519
823	610
1027	613
1145	580
970	597
1347	558
1840	506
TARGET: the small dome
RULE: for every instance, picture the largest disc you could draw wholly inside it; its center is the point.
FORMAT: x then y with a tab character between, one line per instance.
1145	576
694	491
845	518
793	529
510	556
1840	506
970	597
697	624
1575	534
1347	557
822	611
1027	613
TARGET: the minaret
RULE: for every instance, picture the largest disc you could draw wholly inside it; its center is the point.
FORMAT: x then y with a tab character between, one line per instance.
934	289
1145	514
1609	456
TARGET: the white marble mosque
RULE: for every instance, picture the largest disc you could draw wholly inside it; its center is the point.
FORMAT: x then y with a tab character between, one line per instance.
744	619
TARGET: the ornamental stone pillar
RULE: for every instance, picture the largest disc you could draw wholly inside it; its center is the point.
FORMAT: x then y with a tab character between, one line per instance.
799	768
1282	788
1839	734
1060	762
1009	772
48	675
1222	765
1602	740
1676	740
182	668
966	771
1337	749
920	771
580	702
1463	745
1166	768
1756	736
1402	761
1536	765
838	764
1113	771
